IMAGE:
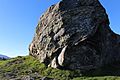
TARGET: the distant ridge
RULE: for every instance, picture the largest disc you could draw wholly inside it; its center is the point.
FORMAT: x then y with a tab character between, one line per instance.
4	57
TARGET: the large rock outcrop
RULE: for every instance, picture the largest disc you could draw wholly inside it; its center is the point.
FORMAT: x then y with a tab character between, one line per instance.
75	34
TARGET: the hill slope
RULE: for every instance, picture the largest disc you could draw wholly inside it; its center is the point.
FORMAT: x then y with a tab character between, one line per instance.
26	68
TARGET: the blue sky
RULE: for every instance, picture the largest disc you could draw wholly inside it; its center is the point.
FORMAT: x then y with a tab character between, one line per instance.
18	20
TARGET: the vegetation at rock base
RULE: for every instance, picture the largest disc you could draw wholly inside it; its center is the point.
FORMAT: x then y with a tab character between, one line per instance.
20	67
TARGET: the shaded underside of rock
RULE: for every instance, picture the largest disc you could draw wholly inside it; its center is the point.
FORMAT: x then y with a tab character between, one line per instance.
75	34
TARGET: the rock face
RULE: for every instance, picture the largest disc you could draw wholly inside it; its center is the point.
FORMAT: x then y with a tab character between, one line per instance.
75	34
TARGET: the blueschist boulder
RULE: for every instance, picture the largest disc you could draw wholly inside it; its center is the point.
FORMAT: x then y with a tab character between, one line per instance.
75	34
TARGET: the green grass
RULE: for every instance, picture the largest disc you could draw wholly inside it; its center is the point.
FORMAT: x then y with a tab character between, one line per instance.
29	65
20	66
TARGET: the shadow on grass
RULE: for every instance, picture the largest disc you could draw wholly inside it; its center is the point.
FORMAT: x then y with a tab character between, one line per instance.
107	70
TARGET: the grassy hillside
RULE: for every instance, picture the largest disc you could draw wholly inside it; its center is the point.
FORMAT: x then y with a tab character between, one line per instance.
24	67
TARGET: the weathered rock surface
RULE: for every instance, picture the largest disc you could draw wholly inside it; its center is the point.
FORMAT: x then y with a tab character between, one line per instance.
75	34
